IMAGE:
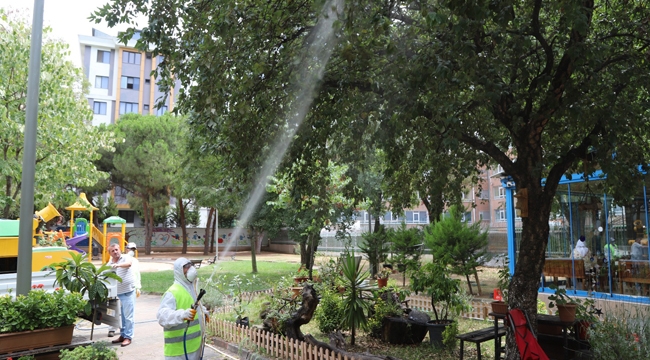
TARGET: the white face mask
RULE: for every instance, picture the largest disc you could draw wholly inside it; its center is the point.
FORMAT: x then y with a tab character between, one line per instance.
131	253
191	274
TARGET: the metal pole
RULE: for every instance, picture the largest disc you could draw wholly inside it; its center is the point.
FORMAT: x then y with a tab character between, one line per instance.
24	269
216	256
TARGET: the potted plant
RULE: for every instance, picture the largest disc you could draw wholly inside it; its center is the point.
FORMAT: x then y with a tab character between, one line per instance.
566	306
38	319
447	300
382	277
79	275
500	303
302	275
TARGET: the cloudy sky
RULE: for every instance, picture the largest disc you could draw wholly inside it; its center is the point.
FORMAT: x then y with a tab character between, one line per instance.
67	18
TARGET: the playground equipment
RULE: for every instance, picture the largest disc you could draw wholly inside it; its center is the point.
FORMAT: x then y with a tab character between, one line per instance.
80	229
109	236
42	256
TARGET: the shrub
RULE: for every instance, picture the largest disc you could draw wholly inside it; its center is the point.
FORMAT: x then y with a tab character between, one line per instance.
97	351
329	314
39	310
623	336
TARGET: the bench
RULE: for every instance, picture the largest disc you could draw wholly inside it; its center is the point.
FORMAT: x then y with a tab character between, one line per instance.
563	267
480	336
197	263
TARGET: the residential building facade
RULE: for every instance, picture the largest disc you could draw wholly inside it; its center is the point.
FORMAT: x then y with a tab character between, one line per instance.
121	82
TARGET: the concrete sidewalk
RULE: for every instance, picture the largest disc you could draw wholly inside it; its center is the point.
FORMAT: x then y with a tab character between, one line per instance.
147	338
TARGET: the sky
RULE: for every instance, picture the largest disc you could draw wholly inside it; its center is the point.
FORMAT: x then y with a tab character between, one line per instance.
67	18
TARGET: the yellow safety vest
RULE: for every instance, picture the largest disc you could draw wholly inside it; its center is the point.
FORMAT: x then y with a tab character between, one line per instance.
174	335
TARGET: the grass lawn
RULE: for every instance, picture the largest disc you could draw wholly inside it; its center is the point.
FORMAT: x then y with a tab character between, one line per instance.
268	274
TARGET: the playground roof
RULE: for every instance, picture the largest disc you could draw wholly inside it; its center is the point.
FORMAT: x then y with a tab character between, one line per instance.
82	204
9	228
114	220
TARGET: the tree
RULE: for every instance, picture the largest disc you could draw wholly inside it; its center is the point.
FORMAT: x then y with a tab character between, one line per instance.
458	245
541	88
67	142
145	162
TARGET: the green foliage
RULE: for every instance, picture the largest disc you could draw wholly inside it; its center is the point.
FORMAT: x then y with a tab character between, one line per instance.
238	290
100	350
449	339
39	310
625	334
504	279
384	306
406	246
67	142
79	275
454	243
355	306
330	313
375	245
434	279
107	208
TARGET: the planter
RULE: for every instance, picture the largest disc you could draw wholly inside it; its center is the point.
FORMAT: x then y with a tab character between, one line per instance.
436	328
300	279
400	330
296	291
28	340
567	312
382	282
341	289
243	322
499	307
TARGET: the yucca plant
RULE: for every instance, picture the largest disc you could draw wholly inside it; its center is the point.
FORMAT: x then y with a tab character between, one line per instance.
77	274
354	305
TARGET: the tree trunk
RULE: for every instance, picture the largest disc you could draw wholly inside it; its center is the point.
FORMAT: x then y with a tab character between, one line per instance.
215	235
524	285
435	204
206	242
254	234
181	210
147	237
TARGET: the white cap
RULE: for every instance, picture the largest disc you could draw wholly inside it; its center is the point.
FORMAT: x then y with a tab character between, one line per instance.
131	245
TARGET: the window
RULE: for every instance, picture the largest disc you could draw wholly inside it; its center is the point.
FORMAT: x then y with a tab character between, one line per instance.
101	82
485	194
500	215
484	215
467	217
499	192
395	216
103	56
416	217
148	55
130	83
126	108
498	170
99	108
161	111
128	215
147	81
145	107
129	57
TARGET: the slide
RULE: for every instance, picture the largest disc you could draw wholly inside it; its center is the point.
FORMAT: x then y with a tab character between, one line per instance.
74	243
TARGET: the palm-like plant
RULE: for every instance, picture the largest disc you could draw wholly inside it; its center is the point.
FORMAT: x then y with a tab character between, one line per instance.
77	274
354	305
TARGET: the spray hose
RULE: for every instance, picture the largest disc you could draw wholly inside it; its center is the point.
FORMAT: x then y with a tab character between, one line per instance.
196	305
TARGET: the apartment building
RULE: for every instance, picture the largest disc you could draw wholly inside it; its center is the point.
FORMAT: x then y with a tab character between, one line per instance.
121	83
120	78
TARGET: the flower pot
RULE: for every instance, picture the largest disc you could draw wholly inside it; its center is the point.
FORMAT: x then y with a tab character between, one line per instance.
341	289
28	340
243	322
567	312
436	328
300	279
499	307
382	282
296	291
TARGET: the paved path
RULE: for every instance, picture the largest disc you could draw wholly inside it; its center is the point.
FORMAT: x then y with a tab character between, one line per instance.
148	335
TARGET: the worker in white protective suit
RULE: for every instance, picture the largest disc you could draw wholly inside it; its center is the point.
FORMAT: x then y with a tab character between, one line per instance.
175	311
581	249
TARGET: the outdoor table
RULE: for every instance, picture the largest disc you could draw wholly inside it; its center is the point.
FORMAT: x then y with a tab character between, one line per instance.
554	320
497	339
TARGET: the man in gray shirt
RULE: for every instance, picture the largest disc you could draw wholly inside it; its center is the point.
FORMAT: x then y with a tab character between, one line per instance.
125	292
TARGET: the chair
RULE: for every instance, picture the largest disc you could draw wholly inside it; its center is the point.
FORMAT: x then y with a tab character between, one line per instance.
529	348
